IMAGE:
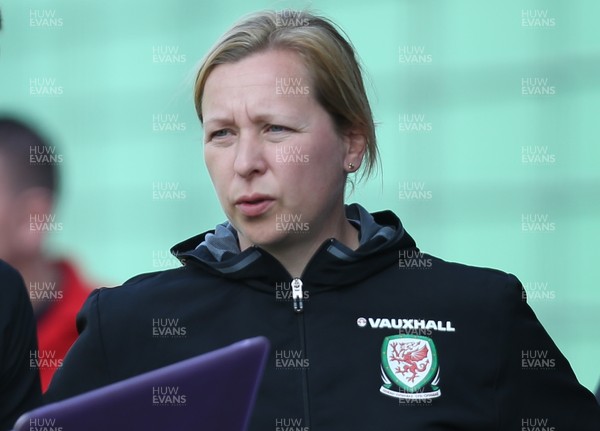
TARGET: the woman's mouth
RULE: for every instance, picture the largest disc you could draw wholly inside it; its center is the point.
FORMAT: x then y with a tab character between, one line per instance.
254	205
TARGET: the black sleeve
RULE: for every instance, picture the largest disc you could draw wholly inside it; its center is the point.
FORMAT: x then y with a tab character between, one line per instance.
84	367
20	388
536	387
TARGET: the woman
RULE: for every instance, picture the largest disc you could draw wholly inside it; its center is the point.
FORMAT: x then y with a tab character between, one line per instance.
366	331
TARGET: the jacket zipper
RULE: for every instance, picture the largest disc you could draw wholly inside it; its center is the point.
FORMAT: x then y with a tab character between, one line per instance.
297	296
297	291
298	304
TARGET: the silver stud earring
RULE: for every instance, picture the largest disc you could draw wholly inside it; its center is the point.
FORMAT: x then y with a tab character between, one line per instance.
351	166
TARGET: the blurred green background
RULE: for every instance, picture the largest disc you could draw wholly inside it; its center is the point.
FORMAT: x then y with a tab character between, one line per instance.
489	110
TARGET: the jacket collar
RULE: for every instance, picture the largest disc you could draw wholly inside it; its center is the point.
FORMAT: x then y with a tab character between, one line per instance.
333	264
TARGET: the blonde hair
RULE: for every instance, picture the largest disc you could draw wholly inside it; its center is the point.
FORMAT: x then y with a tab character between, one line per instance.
329	57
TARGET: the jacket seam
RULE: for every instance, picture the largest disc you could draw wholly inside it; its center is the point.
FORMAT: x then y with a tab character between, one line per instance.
101	337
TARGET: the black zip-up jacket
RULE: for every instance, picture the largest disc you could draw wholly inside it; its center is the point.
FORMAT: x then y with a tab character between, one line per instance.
380	338
20	388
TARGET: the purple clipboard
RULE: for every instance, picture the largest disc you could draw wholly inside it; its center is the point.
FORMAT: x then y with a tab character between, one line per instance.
213	391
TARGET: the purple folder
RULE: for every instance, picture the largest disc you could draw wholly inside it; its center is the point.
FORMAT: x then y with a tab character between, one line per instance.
214	391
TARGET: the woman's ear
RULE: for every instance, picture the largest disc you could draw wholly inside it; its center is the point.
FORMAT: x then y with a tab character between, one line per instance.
355	143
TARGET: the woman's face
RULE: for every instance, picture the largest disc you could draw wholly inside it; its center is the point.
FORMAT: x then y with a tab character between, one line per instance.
273	153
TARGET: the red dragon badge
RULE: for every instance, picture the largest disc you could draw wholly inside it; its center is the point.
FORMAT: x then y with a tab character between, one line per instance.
410	362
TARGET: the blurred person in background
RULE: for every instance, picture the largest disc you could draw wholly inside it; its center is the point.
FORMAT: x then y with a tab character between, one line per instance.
19	380
28	186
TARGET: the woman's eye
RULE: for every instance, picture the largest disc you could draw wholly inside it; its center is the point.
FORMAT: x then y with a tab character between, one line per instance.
276	128
219	133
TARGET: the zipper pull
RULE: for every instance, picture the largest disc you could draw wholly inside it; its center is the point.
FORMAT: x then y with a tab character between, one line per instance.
297	295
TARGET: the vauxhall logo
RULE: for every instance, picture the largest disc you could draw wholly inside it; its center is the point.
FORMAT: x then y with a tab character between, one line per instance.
405	324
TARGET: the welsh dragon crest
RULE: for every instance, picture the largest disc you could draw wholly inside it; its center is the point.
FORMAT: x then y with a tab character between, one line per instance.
410	362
